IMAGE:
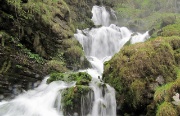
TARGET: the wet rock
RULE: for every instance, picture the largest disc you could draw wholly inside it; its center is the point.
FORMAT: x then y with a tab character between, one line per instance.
151	31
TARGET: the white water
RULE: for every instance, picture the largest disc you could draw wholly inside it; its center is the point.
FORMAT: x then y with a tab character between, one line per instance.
99	44
37	102
100	16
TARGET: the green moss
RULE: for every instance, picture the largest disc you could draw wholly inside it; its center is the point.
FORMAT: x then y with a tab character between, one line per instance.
33	56
83	25
166	92
72	99
75	58
56	66
81	78
136	67
138	90
166	109
68	43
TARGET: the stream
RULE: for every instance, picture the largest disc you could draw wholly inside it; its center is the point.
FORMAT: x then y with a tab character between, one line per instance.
99	45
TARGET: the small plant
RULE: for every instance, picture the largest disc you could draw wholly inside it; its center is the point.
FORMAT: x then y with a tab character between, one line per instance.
31	55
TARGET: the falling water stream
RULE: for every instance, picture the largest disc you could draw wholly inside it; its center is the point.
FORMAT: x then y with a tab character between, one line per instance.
99	45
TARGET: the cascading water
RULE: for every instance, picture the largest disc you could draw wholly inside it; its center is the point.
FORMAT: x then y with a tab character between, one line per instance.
100	16
37	102
99	44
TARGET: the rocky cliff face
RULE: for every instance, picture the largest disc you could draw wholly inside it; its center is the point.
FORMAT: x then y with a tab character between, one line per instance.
37	39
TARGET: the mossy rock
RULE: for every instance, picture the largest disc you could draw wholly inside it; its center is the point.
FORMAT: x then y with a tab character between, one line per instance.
138	91
164	94
81	78
73	98
75	58
81	13
56	66
166	109
133	72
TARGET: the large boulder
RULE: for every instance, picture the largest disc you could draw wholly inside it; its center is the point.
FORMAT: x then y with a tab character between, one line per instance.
78	99
137	70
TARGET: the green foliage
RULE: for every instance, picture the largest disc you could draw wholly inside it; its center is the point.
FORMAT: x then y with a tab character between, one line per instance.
166	109
142	15
33	56
171	30
57	77
19	66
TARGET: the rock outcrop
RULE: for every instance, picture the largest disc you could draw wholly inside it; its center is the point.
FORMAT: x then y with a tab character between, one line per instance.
37	38
138	70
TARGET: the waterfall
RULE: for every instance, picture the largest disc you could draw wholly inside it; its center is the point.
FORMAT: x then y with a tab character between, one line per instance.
99	45
100	16
37	102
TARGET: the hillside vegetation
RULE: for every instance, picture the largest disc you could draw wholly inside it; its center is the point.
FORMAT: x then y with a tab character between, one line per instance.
37	38
146	75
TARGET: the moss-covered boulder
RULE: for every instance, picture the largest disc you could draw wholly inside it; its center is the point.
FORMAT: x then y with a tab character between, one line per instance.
137	70
77	100
81	78
74	55
166	109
